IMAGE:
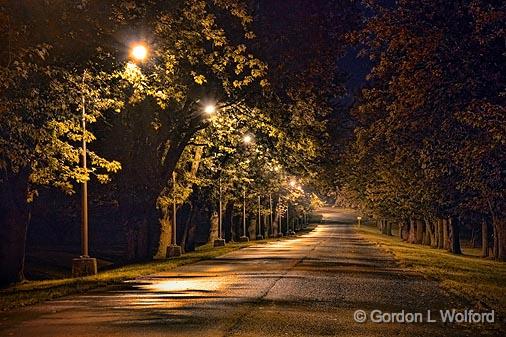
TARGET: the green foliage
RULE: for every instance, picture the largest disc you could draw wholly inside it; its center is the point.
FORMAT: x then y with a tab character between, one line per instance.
40	121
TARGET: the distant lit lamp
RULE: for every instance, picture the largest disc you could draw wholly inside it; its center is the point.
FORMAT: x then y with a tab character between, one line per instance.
247	139
210	109
359	218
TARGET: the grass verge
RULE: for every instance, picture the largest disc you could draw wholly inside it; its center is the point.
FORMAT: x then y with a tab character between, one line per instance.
480	280
32	292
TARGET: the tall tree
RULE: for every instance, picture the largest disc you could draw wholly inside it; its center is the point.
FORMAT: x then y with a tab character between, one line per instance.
436	84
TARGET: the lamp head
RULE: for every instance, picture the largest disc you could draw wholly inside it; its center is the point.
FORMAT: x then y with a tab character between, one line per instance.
139	52
210	109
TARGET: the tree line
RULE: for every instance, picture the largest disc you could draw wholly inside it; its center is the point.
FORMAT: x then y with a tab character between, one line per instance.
428	151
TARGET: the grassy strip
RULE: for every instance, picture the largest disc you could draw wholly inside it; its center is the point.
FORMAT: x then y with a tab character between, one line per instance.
480	280
32	292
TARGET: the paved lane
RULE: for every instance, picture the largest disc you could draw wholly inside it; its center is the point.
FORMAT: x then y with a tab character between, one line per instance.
306	286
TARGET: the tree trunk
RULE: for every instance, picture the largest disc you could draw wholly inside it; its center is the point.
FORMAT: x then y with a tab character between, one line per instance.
404	235
165	237
187	213
213	230
388	227
446	239
419	231
440	238
425	235
474	237
192	232
228	221
499	238
454	245
484	238
14	218
428	238
251	227
433	234
412	231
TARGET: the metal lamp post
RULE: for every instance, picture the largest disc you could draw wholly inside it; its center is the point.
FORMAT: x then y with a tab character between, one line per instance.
173	250
84	265
244	236
259	233
280	218
271	222
220	241
287	219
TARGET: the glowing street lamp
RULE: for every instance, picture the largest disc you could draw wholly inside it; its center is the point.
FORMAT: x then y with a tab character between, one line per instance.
139	52
247	139
84	265
210	109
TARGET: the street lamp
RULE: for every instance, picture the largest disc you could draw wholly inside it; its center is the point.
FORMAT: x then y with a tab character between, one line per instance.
288	231
247	139
359	219
84	265
173	250
280	218
259	233
139	52
210	109
271	220
244	237
220	241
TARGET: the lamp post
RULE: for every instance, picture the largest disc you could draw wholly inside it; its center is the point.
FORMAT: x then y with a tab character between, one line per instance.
173	250
220	241
84	265
244	237
259	233
271	222
280	218
287	219
359	219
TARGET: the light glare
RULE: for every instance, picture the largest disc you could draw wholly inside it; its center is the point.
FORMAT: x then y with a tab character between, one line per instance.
210	109
247	139
139	52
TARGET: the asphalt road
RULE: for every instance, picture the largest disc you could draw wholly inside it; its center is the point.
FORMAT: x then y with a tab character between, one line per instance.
310	285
